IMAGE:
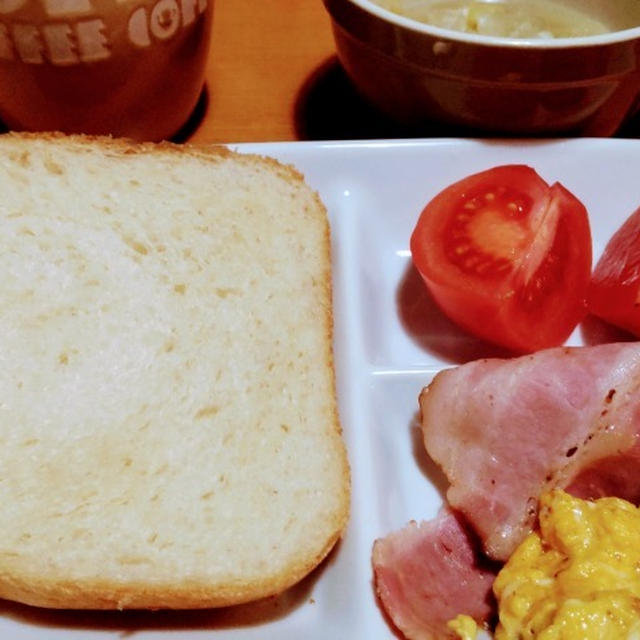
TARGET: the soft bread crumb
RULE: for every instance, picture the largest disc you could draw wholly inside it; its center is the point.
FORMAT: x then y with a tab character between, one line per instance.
170	435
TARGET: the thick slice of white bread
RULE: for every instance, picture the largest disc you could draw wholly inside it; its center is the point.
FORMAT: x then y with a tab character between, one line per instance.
169	435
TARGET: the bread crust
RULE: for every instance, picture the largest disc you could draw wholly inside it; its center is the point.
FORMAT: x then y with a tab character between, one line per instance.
60	593
290	467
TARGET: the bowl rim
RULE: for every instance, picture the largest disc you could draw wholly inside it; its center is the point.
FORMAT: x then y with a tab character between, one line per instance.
611	37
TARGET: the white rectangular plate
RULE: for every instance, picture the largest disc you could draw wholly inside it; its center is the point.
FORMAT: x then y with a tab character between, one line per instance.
389	342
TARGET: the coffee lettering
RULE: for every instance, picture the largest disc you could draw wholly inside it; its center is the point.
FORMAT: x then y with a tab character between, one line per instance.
138	30
7	6
165	19
93	44
67	8
73	41
60	45
189	11
28	43
6	46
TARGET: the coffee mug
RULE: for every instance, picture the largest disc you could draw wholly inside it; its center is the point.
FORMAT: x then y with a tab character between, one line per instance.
131	68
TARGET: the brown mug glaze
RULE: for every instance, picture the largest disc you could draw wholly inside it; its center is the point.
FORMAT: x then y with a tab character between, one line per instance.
123	67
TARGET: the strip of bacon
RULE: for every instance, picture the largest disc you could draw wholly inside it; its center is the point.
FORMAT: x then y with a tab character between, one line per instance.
504	431
428	573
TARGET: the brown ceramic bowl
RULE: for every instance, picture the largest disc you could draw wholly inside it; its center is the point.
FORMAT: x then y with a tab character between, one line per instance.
419	74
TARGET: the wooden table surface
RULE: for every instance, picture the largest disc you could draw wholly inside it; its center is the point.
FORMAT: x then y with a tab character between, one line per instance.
273	75
264	57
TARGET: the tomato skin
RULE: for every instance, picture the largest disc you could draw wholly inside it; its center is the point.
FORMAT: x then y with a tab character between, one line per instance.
615	283
507	257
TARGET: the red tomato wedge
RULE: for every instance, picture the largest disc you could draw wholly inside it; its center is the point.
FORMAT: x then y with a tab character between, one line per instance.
507	257
614	293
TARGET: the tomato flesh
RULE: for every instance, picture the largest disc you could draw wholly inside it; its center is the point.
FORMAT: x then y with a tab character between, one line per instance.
507	257
484	234
614	293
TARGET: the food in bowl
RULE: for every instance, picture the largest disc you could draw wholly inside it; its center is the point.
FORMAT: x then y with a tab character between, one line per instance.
502	18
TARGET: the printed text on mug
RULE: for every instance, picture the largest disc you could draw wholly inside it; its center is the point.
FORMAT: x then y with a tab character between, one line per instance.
76	34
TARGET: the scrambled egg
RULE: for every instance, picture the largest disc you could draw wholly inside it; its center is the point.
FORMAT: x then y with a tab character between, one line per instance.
578	577
465	627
